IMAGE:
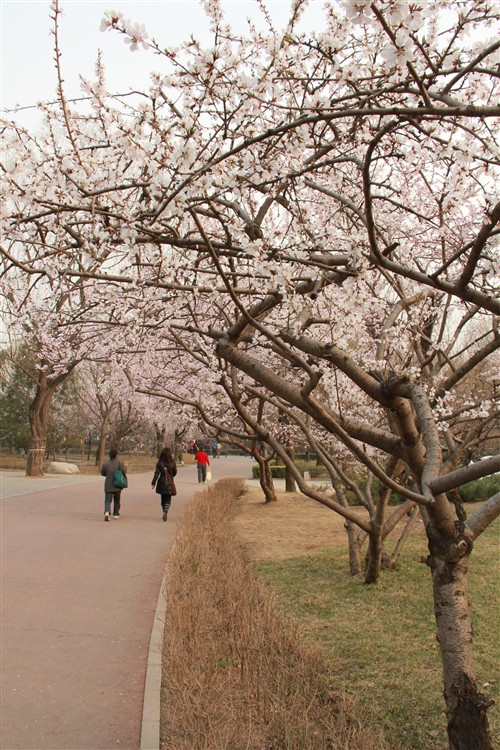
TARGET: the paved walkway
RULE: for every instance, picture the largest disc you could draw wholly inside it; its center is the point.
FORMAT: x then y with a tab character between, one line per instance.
78	602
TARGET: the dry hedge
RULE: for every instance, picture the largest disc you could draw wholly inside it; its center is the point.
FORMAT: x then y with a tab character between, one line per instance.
236	674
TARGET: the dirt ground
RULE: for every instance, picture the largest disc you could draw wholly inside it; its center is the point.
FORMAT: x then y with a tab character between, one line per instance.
293	526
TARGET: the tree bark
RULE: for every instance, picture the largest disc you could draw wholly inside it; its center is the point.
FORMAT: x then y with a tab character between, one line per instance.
375	546
350	527
290	484
265	477
466	707
266	481
373	557
353	546
39	412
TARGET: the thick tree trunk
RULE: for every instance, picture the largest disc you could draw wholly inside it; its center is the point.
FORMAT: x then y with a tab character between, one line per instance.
34	465
266	481
265	477
290	485
373	557
39	421
465	706
39	413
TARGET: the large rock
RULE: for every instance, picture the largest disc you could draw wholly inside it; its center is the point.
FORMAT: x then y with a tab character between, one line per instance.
61	467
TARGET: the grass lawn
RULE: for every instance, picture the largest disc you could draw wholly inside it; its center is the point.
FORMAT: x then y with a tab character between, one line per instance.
380	640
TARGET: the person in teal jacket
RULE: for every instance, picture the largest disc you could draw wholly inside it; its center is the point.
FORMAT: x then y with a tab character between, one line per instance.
112	493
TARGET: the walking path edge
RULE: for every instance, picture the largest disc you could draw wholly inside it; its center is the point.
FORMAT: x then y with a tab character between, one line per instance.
150	731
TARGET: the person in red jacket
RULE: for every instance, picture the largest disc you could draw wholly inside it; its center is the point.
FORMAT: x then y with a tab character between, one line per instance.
202	459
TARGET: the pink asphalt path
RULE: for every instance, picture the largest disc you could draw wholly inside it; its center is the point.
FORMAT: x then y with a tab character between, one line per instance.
78	603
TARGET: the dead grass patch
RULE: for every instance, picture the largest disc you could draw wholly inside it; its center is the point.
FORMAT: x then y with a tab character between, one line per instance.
236	674
295	525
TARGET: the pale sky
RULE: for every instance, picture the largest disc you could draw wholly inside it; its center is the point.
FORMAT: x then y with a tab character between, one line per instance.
27	67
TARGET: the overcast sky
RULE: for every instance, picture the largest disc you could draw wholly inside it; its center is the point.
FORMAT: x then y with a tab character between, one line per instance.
28	73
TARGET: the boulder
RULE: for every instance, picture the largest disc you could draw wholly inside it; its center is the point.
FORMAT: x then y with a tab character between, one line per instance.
61	467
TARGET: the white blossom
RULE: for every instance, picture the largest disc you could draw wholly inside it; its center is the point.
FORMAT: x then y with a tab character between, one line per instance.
136	35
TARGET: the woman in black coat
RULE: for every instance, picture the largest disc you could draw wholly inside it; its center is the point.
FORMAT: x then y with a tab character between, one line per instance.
163	479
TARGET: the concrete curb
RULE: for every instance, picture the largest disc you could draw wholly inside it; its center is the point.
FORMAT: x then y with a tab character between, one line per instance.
150	731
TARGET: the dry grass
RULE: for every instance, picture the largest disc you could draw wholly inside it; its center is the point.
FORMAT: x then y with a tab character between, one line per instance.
237	675
295	525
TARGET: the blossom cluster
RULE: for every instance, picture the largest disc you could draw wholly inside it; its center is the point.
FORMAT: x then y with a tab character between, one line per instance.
135	33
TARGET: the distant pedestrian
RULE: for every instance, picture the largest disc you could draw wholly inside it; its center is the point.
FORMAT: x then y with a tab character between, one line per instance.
163	480
112	493
203	461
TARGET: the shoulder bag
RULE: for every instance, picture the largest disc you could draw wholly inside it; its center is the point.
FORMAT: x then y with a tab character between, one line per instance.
170	481
120	481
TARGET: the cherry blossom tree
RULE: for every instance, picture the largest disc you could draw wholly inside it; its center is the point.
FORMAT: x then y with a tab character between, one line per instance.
99	395
369	255
52	356
204	405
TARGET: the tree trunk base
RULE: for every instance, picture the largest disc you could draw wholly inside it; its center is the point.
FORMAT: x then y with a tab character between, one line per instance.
465	732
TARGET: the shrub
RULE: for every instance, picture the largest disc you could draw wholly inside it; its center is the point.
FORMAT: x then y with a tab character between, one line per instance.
278	470
480	489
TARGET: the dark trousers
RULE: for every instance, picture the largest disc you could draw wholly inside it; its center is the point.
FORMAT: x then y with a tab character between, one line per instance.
165	502
116	498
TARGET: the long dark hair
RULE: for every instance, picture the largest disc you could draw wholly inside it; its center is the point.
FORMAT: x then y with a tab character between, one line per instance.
166	457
